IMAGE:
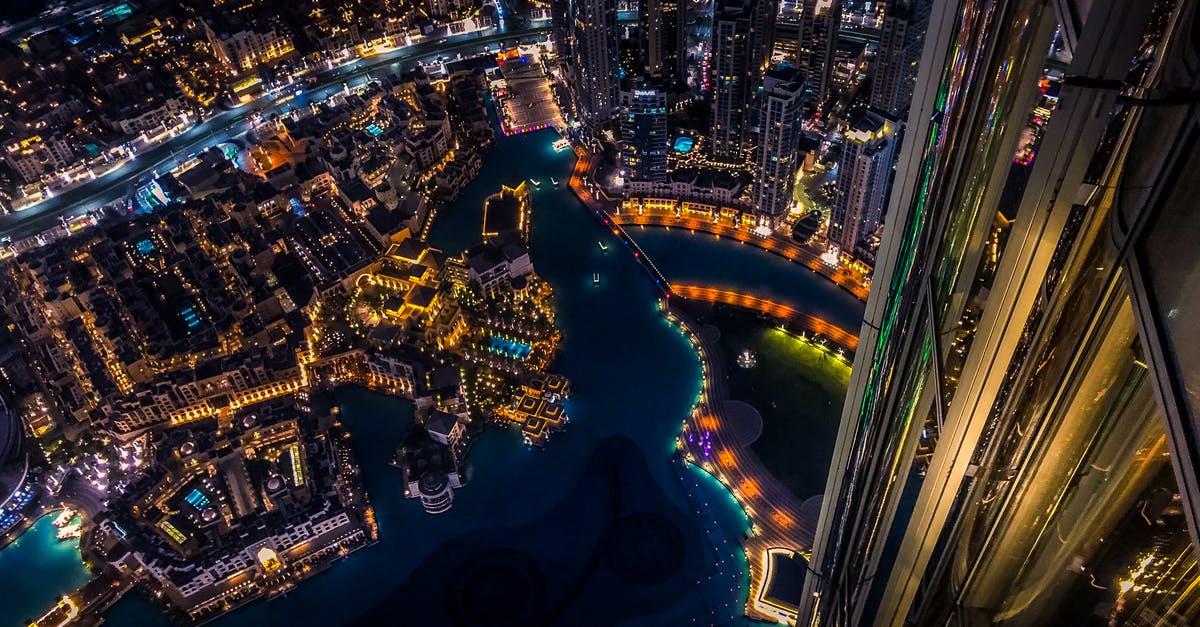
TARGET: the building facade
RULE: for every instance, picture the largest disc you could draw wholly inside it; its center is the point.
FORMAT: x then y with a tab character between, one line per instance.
864	171
740	51
644	137
1018	445
663	40
819	23
778	154
594	57
900	42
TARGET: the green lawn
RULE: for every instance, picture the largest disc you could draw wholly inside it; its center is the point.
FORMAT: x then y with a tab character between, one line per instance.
799	390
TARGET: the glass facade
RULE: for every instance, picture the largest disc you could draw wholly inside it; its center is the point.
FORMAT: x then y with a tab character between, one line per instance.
1019	445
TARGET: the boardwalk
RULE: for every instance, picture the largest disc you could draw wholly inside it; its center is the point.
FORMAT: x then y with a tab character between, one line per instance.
812	324
846	278
710	439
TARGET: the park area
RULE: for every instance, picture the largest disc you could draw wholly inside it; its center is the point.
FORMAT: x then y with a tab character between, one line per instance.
797	387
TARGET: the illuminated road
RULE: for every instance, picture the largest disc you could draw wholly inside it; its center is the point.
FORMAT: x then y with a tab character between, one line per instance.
806	322
229	124
848	279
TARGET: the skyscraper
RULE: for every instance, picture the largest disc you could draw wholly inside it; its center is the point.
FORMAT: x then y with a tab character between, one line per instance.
1044	368
643	123
900	41
663	39
819	23
650	22
777	152
731	77
741	49
593	29
868	146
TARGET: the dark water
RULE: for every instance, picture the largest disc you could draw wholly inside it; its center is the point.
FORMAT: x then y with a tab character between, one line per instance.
728	264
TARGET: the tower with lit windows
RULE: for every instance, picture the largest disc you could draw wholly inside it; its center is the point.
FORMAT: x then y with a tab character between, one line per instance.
819	24
1019	442
864	170
777	153
741	47
899	50
644	138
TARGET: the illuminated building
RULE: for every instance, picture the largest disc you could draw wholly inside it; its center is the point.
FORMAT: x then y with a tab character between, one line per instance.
644	137
243	47
1018	445
895	71
868	147
819	22
664	39
740	51
507	211
778	153
430	470
593	58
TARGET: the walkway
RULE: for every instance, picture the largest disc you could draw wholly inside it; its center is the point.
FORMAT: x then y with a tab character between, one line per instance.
812	324
709	439
583	184
848	279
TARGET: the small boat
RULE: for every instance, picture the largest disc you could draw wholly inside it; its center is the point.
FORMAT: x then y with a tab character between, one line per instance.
554	181
602	245
536	183
595	278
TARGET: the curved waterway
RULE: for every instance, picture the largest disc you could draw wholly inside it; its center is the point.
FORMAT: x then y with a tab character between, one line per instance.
704	259
36	570
600	527
603	526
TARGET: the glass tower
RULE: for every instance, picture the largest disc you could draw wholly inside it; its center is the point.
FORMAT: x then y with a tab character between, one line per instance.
1019	445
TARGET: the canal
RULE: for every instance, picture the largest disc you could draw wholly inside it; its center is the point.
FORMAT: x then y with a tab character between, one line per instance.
553	535
704	259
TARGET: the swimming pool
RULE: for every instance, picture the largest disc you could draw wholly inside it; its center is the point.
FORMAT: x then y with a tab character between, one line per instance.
509	348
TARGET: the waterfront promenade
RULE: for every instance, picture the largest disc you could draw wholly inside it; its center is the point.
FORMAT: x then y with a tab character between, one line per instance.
632	213
801	321
714	438
847	278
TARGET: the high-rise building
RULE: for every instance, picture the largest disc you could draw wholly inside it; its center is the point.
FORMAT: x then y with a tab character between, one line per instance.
1019	442
740	51
644	138
819	23
864	170
778	154
663	40
731	77
650	23
899	50
593	37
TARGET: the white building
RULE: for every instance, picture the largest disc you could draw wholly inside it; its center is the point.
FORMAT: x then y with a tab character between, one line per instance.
864	170
778	152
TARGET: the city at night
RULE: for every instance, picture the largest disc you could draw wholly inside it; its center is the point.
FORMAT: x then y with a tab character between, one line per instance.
639	313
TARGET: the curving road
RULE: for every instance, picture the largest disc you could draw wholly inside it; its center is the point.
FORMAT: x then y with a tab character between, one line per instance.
231	123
